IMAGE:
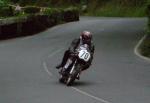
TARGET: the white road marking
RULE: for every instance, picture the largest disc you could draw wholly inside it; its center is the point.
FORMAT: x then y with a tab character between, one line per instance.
89	95
137	52
44	63
54	53
78	90
46	69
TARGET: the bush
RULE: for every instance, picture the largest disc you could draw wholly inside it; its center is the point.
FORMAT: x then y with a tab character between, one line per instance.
148	14
2	4
6	11
145	47
27	2
71	14
53	13
50	11
20	25
31	9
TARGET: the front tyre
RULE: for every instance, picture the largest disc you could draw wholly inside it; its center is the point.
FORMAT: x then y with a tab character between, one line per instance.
69	81
73	75
71	78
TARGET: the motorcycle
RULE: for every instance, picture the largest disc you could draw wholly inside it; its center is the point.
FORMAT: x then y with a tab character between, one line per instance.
74	65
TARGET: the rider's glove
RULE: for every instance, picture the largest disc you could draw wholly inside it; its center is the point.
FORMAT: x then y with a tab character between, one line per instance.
75	53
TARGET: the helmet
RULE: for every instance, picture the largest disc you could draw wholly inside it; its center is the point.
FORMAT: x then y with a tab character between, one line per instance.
86	37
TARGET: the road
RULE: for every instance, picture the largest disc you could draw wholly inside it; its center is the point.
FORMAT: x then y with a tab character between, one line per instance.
117	75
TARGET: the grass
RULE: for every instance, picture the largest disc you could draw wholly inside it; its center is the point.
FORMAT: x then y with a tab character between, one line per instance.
118	11
145	47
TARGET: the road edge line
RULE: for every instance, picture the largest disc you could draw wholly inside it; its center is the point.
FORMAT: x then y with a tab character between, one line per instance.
45	64
89	95
136	49
46	69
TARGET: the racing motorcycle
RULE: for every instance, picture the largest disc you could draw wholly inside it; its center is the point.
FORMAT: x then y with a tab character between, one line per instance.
74	65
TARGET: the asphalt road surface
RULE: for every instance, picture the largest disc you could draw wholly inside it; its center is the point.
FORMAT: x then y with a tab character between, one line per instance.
117	75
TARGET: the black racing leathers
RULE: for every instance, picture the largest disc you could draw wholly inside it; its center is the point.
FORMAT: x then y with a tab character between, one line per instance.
75	43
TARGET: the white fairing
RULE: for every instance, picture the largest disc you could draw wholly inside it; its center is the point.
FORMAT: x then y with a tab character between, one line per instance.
84	55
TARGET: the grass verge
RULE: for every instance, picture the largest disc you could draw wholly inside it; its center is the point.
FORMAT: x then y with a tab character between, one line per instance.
118	11
145	47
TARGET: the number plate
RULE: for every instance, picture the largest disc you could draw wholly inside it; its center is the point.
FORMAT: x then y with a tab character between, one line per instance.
84	54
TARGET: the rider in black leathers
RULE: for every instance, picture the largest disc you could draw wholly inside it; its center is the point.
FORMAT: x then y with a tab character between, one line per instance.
85	38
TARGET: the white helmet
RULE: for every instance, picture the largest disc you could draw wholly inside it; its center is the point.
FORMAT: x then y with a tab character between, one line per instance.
86	37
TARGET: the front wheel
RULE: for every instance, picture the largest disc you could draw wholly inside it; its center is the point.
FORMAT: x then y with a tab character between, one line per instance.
72	77
69	81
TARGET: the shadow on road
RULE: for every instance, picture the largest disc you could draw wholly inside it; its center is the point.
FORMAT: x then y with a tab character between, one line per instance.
82	83
76	83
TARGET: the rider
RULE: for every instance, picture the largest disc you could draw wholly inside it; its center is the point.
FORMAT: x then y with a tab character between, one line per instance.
85	38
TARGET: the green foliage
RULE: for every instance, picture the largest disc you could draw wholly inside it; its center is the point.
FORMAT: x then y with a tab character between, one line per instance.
6	11
48	3
64	3
119	12
43	3
3	3
71	14
50	11
71	9
118	2
31	9
145	47
27	2
148	14
119	8
15	1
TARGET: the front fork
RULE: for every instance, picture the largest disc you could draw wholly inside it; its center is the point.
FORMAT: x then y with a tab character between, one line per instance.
68	63
73	67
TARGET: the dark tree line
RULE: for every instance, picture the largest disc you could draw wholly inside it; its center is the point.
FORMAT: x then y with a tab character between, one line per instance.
89	2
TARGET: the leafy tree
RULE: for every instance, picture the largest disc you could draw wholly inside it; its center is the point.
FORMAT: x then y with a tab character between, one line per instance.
15	1
3	3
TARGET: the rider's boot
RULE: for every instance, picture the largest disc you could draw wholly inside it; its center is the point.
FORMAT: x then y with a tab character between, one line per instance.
62	71
58	66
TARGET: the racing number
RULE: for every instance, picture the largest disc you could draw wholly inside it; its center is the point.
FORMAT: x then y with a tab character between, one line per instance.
85	54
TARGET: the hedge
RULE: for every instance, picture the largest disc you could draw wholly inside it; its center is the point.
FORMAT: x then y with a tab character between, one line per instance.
6	11
148	14
35	22
144	48
71	14
32	9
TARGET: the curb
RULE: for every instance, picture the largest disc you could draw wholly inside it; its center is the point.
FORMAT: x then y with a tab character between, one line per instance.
136	49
